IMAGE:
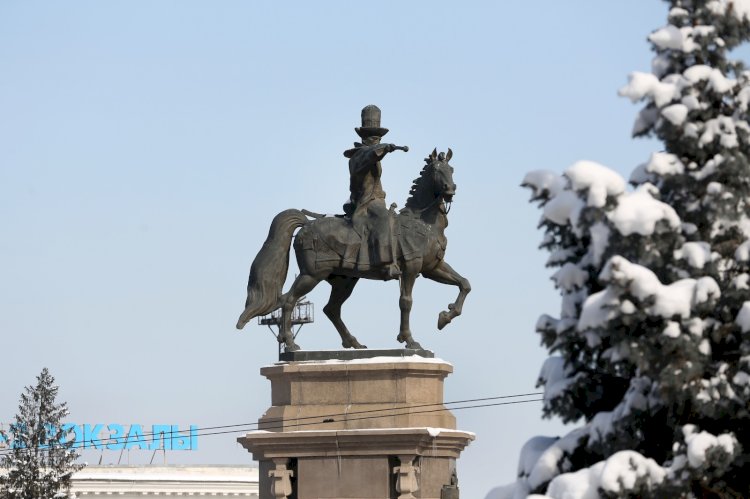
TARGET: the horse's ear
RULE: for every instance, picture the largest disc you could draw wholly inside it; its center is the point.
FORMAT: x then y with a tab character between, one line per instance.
449	155
433	156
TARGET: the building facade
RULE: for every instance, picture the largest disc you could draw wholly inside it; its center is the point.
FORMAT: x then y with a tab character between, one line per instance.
139	482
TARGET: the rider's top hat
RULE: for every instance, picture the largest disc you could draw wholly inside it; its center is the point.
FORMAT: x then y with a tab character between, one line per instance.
371	123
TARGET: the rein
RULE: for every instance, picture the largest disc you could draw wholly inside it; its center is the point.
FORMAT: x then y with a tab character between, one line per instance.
432	203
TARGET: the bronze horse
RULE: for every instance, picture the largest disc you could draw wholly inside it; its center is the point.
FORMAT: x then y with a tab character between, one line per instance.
321	251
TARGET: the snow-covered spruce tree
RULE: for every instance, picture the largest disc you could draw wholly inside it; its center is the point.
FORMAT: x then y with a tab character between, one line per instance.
651	351
40	461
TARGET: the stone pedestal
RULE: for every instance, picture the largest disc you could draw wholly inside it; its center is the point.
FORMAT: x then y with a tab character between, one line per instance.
356	429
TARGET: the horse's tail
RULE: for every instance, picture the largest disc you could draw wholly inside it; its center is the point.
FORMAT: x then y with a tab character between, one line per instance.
268	271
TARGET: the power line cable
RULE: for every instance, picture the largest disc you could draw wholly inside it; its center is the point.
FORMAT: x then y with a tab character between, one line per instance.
320	419
125	439
374	417
248	428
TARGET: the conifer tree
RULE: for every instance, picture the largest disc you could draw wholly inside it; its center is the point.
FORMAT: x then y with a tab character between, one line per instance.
40	461
651	351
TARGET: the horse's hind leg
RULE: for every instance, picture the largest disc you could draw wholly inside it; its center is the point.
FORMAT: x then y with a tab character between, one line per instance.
444	274
302	285
341	289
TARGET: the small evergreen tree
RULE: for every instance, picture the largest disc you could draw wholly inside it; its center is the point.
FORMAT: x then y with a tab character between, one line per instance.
651	351
40	461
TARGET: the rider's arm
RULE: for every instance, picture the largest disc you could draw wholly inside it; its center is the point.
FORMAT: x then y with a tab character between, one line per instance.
368	156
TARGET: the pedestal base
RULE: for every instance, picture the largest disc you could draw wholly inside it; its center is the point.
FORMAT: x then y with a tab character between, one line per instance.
360	429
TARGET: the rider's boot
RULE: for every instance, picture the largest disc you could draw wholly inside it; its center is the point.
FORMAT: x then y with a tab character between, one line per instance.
389	262
394	270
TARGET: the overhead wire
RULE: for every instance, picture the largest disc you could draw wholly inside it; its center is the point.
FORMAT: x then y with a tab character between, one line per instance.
282	423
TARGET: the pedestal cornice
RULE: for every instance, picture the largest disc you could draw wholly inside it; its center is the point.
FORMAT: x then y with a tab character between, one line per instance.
430	442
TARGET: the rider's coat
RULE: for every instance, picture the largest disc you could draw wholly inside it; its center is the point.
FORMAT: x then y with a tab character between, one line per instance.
370	217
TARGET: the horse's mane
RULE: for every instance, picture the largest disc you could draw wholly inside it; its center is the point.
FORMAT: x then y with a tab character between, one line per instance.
416	193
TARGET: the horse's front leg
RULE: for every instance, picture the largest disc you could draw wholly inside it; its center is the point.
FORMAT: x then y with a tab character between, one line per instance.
444	274
406	284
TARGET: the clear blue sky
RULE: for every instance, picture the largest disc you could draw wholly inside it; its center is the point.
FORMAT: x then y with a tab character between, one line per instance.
146	146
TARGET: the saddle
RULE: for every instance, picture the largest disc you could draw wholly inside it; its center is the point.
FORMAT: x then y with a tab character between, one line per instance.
335	240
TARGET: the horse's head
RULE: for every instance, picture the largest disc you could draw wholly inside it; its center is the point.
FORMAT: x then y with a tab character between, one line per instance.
434	187
442	175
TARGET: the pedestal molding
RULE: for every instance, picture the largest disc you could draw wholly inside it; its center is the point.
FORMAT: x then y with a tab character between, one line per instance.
432	442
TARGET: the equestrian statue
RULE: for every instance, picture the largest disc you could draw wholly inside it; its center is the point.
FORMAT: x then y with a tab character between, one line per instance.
368	241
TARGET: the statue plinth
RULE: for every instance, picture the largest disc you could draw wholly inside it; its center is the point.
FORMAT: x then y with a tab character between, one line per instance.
352	354
364	428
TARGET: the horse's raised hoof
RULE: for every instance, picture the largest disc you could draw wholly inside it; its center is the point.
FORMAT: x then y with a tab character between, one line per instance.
443	319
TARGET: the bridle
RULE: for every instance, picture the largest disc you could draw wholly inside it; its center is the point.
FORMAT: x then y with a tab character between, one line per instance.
435	201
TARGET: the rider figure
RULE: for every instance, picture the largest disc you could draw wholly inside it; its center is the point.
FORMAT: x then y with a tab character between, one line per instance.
366	205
